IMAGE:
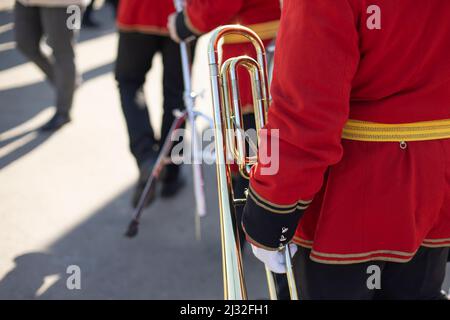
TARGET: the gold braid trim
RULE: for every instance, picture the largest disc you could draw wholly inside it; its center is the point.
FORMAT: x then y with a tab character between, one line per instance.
377	255
403	132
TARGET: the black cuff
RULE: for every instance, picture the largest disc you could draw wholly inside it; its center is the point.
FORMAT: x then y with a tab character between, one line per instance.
268	225
183	30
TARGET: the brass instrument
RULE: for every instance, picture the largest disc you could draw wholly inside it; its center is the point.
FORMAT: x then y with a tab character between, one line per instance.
230	142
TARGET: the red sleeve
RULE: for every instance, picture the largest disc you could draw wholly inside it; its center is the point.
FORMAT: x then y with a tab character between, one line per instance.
317	55
204	15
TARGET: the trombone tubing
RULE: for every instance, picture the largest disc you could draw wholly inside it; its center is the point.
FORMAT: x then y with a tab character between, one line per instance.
234	130
234	286
221	74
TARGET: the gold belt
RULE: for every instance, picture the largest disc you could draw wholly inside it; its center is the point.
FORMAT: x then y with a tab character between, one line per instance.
379	132
266	31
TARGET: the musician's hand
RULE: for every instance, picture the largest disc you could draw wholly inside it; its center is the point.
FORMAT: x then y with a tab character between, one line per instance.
274	260
172	27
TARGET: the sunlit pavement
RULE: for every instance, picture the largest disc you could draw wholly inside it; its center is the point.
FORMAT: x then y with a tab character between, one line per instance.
65	198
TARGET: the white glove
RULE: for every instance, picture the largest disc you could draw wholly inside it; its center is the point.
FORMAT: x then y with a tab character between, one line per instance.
274	260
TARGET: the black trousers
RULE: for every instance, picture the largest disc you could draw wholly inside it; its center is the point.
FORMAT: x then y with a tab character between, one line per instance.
134	60
419	279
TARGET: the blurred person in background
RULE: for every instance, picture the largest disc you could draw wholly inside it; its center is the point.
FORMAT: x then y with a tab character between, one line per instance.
39	19
88	21
114	4
142	34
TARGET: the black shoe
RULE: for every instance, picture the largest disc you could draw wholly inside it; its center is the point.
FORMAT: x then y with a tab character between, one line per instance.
171	187
145	170
56	122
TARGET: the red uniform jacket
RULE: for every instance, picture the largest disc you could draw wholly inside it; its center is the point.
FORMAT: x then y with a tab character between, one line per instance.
341	59
147	16
205	15
201	16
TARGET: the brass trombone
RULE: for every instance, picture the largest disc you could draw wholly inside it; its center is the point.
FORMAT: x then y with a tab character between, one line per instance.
230	143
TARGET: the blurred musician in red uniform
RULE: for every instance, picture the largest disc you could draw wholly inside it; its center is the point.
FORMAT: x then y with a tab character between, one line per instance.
143	33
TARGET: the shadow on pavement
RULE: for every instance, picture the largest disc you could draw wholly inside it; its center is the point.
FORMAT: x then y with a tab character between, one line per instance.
32	270
35	140
106	20
23	103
